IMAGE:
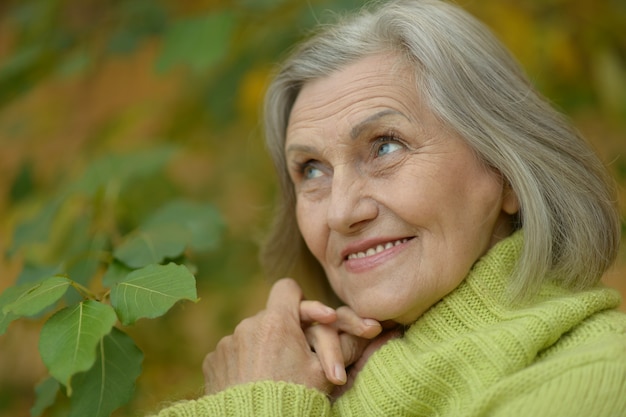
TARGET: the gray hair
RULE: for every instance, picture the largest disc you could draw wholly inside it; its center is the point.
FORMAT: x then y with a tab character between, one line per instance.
568	208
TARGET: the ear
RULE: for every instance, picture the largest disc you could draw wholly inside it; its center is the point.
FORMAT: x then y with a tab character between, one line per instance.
510	203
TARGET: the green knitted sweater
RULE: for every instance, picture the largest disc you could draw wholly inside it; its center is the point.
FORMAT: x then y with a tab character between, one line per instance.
472	354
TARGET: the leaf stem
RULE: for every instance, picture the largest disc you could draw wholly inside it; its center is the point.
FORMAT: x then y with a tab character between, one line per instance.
84	291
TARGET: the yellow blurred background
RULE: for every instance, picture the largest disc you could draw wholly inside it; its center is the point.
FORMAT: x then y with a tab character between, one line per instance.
80	79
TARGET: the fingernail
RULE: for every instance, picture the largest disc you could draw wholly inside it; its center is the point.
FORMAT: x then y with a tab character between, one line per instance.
371	322
340	374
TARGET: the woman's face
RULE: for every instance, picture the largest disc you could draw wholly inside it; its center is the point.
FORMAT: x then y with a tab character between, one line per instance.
395	207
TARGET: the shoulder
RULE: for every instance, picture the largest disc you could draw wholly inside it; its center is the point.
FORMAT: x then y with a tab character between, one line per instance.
601	336
583	373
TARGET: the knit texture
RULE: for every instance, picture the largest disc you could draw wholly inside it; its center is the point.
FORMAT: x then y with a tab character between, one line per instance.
267	398
472	354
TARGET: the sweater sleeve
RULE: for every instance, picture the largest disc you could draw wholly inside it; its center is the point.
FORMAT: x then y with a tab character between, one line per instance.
262	399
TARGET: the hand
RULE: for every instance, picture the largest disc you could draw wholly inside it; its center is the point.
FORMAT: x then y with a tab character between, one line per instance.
268	346
338	337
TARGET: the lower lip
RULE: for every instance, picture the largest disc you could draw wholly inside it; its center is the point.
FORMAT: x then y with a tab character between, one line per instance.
368	263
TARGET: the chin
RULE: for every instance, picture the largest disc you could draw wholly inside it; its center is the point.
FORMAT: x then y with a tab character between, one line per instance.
379	313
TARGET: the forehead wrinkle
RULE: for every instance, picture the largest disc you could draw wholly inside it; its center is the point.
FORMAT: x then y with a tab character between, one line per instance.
375	84
313	115
359	127
342	87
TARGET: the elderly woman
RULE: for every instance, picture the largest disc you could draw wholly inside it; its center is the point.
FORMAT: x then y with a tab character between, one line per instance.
458	219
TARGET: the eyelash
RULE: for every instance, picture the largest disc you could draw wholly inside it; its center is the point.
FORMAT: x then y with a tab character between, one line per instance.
301	167
389	137
376	143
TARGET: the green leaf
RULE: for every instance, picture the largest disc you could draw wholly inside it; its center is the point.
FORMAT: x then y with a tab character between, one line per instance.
68	340
139	19
11	297
110	383
119	169
20	61
73	64
38	297
151	291
147	247
7	297
37	229
84	264
34	272
202	222
167	233
115	273
23	184
219	98
197	42
46	392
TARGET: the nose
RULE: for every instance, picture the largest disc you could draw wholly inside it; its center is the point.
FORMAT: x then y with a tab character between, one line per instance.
351	204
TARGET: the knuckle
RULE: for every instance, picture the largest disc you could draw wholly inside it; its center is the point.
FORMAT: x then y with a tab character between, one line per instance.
257	329
285	281
345	311
348	316
287	285
351	348
245	325
273	318
224	344
312	335
207	363
249	327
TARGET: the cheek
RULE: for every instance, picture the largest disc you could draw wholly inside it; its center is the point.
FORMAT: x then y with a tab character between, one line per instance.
469	195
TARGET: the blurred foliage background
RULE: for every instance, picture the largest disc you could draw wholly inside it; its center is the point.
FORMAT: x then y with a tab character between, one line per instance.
81	79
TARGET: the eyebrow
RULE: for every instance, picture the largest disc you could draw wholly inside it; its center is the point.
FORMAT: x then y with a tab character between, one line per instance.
358	129
354	132
300	148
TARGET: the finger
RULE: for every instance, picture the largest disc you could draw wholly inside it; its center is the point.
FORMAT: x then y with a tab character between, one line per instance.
325	342
315	311
215	367
352	347
212	383
285	296
349	322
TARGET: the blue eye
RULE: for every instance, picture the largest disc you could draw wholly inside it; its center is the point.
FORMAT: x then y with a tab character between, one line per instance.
310	171
388	147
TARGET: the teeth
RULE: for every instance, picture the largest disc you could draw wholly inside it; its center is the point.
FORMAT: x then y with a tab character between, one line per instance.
377	249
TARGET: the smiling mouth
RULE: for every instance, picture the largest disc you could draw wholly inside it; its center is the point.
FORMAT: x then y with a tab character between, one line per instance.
376	249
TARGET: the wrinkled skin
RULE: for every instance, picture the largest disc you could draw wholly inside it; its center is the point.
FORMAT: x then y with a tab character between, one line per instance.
393	205
281	343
